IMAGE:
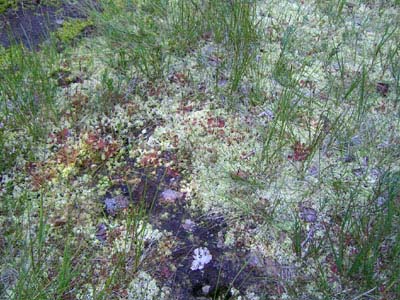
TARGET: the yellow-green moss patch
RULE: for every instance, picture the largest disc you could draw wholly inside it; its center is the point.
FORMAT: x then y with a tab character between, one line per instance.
71	29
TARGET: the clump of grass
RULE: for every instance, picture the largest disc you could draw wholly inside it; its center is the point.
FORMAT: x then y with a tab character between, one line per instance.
29	259
233	26
27	96
136	32
155	32
367	239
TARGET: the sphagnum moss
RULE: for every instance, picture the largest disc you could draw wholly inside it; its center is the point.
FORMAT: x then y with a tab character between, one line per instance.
71	29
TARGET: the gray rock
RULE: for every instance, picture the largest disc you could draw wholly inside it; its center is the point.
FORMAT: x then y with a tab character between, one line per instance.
116	204
171	196
308	214
255	260
206	289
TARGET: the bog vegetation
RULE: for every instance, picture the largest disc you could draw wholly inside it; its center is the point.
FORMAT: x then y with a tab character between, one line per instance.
204	150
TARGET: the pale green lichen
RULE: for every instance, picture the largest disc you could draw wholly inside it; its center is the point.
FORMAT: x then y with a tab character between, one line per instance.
230	240
127	241
144	287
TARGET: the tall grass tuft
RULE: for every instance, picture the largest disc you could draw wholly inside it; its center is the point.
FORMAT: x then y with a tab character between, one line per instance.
27	93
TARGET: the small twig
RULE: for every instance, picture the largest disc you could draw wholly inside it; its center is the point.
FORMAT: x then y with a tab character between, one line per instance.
246	156
364	294
310	235
102	164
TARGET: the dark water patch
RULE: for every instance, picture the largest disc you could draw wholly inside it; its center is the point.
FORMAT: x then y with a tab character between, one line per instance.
31	25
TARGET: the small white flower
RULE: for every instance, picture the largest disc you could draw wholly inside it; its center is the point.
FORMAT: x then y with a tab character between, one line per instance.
201	257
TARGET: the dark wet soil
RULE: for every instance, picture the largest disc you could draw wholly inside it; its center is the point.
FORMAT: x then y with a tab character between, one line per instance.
229	266
31	25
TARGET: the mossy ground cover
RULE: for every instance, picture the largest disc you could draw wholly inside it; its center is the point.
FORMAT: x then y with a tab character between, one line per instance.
205	150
